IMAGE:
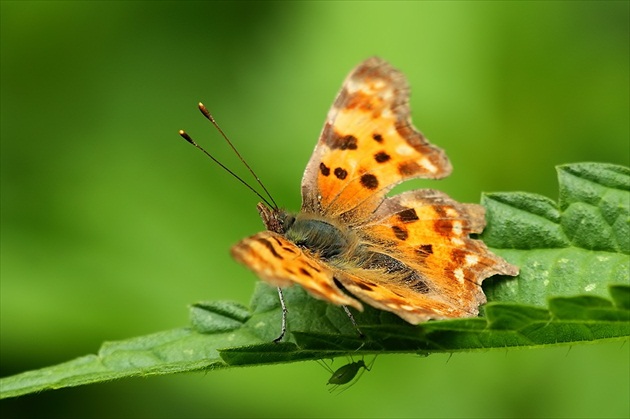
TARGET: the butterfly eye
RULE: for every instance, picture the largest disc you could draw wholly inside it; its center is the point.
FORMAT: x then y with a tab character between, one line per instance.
288	222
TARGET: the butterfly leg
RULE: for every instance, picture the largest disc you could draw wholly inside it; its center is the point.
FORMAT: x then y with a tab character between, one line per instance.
353	321
284	316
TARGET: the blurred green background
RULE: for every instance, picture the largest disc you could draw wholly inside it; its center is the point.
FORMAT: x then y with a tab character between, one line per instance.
112	225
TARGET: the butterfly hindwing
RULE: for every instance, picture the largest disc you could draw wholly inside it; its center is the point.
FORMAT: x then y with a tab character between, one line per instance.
428	266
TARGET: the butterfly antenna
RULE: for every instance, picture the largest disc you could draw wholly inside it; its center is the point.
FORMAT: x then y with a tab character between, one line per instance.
187	137
210	118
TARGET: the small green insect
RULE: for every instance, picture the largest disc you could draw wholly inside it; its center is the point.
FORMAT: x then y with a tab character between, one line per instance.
347	374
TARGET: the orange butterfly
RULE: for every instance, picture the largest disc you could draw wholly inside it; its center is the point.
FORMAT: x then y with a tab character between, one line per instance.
409	254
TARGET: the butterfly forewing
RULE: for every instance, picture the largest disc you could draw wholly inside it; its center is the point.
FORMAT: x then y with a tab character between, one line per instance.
367	146
281	263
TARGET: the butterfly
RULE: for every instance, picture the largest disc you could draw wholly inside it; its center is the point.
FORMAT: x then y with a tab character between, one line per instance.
351	244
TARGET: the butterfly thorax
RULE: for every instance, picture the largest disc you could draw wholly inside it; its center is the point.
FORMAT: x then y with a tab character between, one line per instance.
321	237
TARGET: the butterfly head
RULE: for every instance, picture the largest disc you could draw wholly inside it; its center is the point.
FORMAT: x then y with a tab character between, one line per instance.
275	219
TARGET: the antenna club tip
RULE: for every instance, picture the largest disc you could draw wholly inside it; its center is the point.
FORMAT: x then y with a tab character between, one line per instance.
186	137
205	111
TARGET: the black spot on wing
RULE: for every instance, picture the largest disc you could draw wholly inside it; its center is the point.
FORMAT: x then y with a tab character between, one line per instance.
369	181
381	157
340	173
324	170
408	216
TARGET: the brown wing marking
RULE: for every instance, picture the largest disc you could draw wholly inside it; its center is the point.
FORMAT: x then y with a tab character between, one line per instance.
281	263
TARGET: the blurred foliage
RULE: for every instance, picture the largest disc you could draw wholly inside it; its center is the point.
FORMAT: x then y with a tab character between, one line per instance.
111	225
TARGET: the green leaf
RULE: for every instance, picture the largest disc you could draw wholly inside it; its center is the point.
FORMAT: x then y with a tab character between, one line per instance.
161	353
579	246
573	287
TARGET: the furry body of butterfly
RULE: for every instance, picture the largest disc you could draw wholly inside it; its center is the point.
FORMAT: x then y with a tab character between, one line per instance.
410	254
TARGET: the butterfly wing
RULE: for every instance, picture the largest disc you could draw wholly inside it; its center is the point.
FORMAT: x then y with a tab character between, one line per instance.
367	146
427	265
281	263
